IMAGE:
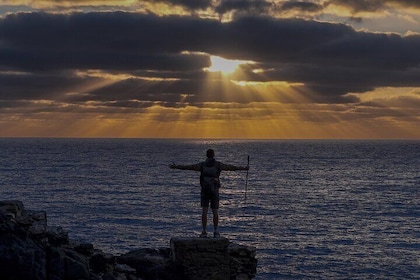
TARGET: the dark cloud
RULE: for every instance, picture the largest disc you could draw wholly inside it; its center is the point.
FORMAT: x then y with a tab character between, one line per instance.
133	37
259	6
301	6
33	60
38	86
41	53
373	5
190	4
361	5
408	3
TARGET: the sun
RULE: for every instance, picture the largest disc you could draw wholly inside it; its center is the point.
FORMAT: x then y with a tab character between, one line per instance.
223	65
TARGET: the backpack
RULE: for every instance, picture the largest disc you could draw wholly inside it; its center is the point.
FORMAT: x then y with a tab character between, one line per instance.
209	178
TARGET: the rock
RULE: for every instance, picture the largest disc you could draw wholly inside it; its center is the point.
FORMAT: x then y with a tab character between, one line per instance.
243	264
39	222
77	266
7	223
21	258
85	248
13	208
57	236
101	262
31	250
214	258
149	263
123	268
56	265
202	258
67	264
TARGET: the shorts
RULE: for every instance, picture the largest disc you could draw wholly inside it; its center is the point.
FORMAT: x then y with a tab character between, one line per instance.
210	197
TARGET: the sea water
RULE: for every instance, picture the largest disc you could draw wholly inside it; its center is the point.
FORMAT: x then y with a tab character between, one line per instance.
326	209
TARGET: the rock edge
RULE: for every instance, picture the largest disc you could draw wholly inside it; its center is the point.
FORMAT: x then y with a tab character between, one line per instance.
30	249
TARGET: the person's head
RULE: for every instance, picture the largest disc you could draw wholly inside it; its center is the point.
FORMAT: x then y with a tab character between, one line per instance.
210	153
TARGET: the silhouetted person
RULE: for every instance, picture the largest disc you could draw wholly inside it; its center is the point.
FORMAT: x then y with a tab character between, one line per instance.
210	184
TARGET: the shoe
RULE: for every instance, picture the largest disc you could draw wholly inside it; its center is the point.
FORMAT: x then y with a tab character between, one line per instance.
203	234
216	233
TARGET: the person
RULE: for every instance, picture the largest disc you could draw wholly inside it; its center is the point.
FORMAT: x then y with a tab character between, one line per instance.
210	170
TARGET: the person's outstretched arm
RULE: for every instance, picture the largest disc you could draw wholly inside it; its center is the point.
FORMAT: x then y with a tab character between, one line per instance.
194	167
230	167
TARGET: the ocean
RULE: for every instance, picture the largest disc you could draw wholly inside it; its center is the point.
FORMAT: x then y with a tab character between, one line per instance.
314	209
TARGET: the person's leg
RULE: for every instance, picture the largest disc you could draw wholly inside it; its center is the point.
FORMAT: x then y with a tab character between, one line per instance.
205	209
215	219
215	208
204	218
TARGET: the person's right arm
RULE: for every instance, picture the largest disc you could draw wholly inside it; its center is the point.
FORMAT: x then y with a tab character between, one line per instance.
230	167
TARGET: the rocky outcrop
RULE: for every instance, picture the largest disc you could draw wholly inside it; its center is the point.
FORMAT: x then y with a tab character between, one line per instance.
31	250
213	258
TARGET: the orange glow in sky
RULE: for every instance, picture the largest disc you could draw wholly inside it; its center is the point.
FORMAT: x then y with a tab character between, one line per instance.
204	69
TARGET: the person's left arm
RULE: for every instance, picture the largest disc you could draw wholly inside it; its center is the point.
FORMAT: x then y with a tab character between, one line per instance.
194	167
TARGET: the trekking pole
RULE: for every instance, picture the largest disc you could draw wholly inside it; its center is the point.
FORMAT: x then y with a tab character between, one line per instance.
246	182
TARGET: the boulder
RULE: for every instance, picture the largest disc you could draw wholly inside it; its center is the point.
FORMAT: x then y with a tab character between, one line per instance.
243	264
21	258
214	258
151	264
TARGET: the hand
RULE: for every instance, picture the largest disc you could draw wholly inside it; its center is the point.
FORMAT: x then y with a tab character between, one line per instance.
172	166
246	167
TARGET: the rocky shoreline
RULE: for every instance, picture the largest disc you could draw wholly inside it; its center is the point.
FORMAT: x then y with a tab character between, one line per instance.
30	249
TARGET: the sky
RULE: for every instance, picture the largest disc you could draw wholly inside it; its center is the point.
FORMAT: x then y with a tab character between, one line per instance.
247	69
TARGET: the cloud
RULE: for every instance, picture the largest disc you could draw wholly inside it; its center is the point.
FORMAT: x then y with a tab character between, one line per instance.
190	4
360	5
118	62
254	6
301	6
132	36
407	3
373	5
